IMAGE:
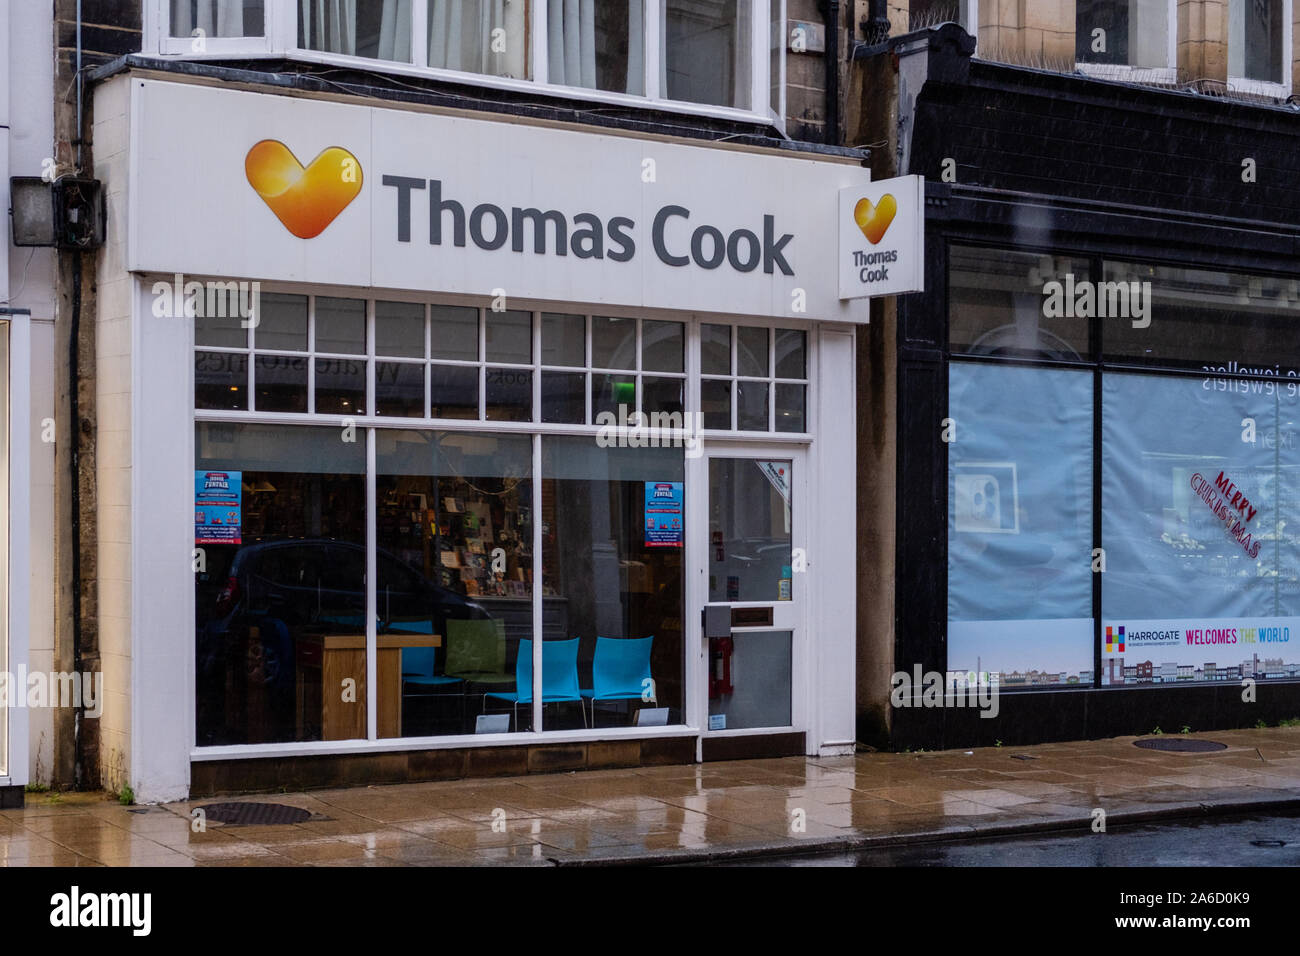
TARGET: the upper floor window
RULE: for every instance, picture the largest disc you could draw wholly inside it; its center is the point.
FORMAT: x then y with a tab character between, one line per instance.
1123	32
1255	40
713	53
199	19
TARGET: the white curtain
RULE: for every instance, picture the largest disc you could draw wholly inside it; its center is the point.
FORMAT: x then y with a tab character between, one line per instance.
216	18
479	36
572	43
331	25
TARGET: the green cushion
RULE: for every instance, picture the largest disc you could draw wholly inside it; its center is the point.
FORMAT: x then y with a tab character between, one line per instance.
477	648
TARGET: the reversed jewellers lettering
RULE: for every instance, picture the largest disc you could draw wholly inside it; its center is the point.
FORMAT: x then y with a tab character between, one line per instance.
587	236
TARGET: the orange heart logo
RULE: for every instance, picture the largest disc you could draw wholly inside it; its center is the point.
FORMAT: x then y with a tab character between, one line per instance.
306	199
875	220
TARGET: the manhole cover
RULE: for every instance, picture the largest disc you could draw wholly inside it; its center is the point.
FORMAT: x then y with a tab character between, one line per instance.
1023	757
1182	745
249	814
1268	844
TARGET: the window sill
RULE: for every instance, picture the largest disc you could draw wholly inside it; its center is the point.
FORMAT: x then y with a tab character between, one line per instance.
398	744
1241	84
1128	73
505	84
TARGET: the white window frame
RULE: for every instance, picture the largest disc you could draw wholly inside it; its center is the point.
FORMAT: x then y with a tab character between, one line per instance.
15	491
1281	87
158	38
773	444
281	41
1127	73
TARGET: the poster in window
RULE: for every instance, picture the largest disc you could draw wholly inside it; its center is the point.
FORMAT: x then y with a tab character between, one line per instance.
218	497
663	514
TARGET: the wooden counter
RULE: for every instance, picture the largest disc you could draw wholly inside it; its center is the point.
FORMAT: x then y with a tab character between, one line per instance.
343	657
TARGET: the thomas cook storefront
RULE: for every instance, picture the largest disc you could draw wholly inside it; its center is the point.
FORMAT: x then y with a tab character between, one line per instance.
456	447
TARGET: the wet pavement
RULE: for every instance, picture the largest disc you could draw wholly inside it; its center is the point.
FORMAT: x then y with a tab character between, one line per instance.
1252	840
708	812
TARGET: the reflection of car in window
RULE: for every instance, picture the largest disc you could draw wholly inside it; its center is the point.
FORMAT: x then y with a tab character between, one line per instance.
278	594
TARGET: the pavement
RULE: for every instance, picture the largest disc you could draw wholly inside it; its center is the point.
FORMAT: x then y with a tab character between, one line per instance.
683	814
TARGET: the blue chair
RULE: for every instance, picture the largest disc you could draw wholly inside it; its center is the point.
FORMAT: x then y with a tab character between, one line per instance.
418	668
559	676
620	670
419	678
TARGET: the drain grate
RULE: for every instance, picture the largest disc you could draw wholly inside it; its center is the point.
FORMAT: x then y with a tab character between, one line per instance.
1181	745
1023	757
251	814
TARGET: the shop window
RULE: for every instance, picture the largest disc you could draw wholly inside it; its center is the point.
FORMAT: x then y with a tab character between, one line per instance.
454	586
1122	32
280	597
309	354
1255	40
614	639
1230	323
750	542
1020	525
217	18
1014	304
221	380
1203	559
765	384
399	329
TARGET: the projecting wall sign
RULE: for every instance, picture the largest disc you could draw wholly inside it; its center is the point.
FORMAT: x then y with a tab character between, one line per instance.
882	238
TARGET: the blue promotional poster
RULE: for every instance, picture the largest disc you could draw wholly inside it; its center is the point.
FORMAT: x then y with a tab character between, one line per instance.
217	498
663	514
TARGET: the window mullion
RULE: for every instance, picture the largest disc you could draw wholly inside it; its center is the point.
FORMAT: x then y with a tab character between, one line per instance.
281	26
540	53
760	40
537	582
372	597
653	52
419	33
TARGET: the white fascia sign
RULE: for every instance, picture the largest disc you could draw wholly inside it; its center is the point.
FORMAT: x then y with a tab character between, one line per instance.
882	238
296	189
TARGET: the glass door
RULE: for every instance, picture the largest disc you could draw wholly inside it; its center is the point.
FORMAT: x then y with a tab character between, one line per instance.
754	567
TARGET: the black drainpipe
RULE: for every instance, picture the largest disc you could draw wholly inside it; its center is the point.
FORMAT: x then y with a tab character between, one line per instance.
877	26
74	437
75	443
832	9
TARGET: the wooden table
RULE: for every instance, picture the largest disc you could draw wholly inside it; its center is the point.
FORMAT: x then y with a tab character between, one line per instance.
344	657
